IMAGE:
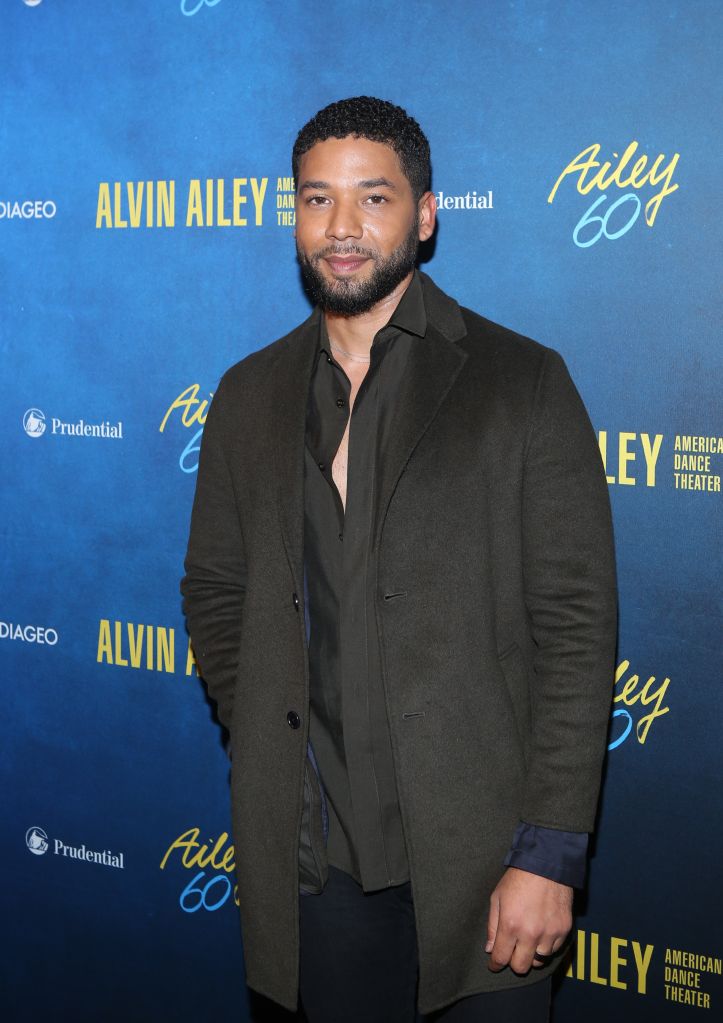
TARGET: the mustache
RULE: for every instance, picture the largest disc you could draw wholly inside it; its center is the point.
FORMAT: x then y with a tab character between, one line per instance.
343	250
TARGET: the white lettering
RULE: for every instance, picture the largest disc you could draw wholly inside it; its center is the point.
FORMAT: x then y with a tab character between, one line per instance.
28	209
469	201
83	429
28	633
81	852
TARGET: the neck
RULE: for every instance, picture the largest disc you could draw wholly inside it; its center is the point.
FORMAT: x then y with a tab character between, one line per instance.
355	333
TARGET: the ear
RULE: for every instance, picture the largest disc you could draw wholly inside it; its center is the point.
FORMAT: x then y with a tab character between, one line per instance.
427	207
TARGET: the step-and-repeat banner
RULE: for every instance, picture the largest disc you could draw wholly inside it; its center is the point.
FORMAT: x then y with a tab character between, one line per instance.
146	244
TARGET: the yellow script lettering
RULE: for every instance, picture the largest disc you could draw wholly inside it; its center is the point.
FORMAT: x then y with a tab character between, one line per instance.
586	161
187	400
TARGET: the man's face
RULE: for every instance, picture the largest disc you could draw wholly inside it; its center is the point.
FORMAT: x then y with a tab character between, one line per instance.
357	225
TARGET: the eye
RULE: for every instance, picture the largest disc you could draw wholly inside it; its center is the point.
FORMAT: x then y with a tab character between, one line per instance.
316	200
376	200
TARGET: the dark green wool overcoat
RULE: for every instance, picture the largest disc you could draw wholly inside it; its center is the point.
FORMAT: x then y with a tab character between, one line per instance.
492	527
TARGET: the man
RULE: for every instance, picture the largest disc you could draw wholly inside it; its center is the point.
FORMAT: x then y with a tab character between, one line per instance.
400	590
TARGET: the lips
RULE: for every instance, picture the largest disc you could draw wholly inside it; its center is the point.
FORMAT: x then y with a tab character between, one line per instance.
345	264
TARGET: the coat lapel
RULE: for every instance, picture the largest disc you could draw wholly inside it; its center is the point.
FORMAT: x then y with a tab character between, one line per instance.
292	374
430	374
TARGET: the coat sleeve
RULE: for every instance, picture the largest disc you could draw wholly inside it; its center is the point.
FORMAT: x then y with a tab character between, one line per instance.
570	594
215	580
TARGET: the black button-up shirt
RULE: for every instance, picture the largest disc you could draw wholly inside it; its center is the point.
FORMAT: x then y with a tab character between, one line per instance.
349	729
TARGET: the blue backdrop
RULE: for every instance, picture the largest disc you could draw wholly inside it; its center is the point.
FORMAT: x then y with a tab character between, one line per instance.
146	244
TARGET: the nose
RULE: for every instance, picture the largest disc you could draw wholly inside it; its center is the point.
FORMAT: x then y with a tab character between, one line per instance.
344	222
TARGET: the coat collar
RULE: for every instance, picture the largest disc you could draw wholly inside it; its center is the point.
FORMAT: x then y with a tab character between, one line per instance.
436	362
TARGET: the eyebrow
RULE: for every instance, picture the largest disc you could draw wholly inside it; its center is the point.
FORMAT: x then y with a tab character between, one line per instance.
377	183
369	183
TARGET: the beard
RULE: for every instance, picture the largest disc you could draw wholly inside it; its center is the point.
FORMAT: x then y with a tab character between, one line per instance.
347	297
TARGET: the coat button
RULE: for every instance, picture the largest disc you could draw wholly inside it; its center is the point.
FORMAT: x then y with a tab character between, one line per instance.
293	719
295	601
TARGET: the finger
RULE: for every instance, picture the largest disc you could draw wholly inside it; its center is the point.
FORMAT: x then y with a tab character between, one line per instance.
492	922
522	958
547	948
543	958
502	949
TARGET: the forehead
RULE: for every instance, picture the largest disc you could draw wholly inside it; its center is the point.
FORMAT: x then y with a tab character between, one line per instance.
344	162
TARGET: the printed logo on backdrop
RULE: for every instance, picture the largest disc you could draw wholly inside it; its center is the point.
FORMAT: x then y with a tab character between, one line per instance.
27	209
613	214
212	862
143	647
38	843
692	463
34	422
624	964
188	412
40	634
35	425
469	201
191	7
198	202
637	703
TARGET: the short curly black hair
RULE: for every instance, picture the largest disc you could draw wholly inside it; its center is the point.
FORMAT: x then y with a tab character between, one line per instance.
375	119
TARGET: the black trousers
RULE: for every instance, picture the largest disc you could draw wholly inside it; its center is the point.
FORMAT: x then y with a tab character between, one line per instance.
359	963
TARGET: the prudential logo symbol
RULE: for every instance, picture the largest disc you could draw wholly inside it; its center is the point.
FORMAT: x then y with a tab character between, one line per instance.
34	422
36	841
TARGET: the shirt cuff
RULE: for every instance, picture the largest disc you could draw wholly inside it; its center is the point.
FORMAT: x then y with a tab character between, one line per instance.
559	855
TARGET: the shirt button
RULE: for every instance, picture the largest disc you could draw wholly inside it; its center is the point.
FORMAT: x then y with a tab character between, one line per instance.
341	536
340	403
293	719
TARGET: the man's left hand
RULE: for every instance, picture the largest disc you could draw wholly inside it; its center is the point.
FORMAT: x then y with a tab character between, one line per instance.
528	914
